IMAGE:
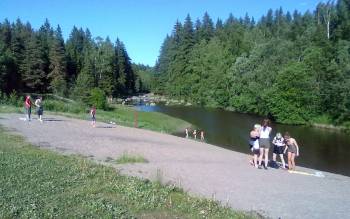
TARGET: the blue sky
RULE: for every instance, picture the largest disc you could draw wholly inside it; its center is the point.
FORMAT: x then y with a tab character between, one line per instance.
140	24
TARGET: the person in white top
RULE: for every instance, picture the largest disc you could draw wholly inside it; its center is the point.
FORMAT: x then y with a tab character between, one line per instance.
264	142
254	144
278	142
38	104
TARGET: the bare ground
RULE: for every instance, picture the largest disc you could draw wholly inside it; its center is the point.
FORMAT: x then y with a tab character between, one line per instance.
200	169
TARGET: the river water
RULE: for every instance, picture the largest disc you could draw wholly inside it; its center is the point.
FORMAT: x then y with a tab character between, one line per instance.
322	149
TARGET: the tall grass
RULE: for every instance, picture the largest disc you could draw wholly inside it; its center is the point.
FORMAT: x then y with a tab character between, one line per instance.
130	158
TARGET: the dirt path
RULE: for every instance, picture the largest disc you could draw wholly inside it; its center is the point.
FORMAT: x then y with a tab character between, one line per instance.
199	168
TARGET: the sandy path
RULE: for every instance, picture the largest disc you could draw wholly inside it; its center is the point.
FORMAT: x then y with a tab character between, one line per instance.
199	168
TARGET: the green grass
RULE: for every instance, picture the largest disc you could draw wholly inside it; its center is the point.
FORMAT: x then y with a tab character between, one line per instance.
130	158
38	183
122	115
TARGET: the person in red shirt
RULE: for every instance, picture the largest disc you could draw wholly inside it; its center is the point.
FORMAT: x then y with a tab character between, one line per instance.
28	107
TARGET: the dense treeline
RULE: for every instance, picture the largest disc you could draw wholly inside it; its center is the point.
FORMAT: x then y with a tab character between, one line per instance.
40	61
294	67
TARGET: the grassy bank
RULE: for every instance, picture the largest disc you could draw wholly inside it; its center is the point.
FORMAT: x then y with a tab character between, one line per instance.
37	183
119	114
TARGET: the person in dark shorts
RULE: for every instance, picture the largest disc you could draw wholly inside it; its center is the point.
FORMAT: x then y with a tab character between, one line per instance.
292	149
264	142
278	149
93	116
28	107
39	104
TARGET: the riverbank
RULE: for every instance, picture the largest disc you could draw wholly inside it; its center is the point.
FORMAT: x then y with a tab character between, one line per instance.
200	169
319	122
40	183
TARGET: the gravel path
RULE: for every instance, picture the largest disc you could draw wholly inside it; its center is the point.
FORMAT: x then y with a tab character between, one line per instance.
199	168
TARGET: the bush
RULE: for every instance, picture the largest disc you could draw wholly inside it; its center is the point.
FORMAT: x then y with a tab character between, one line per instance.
14	100
98	98
60	106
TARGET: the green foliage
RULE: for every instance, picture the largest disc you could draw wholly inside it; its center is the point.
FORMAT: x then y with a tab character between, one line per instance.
98	98
39	61
292	67
43	184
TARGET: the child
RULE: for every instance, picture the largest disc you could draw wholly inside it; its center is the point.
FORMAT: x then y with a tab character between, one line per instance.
186	131
293	150
254	144
38	104
278	142
93	118
195	134
202	135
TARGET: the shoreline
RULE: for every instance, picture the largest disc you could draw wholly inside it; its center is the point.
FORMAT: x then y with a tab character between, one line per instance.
175	102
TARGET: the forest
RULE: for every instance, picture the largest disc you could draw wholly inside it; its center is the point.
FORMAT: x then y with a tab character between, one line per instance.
41	61
293	67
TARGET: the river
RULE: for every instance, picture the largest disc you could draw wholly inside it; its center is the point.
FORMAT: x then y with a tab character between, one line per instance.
322	149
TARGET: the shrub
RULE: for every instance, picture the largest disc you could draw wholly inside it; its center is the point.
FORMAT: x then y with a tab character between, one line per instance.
98	98
14	100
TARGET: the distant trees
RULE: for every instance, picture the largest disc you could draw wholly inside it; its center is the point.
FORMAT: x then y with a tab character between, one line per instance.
40	61
292	66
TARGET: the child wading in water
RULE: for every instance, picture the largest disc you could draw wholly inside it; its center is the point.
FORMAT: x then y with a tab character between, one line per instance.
278	142
293	150
93	116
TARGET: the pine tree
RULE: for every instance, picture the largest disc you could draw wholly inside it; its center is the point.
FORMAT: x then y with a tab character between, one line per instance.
58	65
85	81
123	73
105	66
33	68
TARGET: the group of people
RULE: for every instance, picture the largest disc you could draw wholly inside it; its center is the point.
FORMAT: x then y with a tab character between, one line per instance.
28	106
260	144
194	133
38	103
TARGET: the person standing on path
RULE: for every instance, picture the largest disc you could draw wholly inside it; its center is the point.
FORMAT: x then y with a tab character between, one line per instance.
254	144
278	149
195	134
186	132
202	135
293	150
28	107
264	142
40	109
93	116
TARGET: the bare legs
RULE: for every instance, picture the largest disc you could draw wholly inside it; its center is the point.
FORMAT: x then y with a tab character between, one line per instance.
282	159
255	159
283	163
264	152
291	161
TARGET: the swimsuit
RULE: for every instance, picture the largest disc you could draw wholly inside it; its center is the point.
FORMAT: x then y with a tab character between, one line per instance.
292	148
